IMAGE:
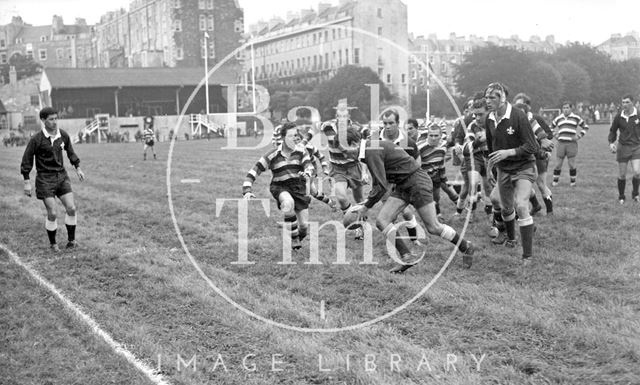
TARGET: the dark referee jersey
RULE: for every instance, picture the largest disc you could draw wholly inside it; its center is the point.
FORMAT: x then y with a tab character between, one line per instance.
513	131
48	154
387	163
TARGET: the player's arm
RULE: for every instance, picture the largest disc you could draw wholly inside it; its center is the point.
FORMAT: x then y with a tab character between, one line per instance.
613	135
73	157
27	165
584	128
261	165
375	162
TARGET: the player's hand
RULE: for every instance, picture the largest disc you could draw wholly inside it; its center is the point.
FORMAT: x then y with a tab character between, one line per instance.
366	179
27	188
80	174
613	147
498	156
248	196
546	144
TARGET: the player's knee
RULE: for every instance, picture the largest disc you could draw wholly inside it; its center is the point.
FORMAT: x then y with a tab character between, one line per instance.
382	224
71	210
287	205
522	209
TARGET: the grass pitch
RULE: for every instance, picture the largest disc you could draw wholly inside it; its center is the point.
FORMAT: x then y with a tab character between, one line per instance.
571	317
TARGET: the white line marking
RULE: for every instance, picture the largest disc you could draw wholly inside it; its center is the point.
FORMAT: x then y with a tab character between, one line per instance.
190	181
322	315
116	346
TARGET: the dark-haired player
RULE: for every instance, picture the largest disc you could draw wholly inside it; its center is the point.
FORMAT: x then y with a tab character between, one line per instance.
52	179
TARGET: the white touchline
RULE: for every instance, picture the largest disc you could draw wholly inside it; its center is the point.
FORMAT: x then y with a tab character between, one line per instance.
190	181
322	315
116	346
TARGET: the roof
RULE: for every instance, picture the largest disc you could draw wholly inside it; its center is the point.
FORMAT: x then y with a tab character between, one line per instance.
132	77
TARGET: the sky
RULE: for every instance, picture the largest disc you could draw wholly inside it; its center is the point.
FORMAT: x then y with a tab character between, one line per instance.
586	21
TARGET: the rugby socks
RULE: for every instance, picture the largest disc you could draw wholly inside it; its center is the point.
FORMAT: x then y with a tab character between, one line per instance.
322	197
534	201
452	236
412	229
509	220
636	184
437	208
573	173
51	227
400	243
291	222
70	222
622	184
548	202
497	220
556	175
526	235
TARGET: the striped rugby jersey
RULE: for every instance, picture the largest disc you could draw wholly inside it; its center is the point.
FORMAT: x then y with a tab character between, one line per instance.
479	147
433	158
283	169
147	135
316	156
567	127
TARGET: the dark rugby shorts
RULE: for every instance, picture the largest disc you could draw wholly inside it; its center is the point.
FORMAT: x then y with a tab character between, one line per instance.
55	184
416	190
296	188
627	152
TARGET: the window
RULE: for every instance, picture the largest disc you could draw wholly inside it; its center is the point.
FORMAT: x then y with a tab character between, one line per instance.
43	54
19	40
404	79
326	35
380	12
340	58
326	60
3	58
379	31
334	34
346	56
43	38
59	53
203	23
209	4
179	53
3	44
177	25
35	100
210	23
356	56
389	78
80	53
177	3
212	49
201	4
238	26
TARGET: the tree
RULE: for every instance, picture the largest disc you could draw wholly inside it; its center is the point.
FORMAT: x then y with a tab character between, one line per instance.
350	82
576	81
597	64
25	67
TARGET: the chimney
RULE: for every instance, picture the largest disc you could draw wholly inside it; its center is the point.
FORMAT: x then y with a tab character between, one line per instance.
323	7
81	21
57	24
275	21
306	12
13	76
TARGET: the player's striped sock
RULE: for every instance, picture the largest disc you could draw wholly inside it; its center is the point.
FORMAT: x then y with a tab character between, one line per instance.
70	222
622	184
323	198
412	229
510	224
452	236
291	222
556	175
526	235
548	202
51	227
573	173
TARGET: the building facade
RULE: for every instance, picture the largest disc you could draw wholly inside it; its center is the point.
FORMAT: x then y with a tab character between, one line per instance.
442	55
170	33
622	48
311	46
55	45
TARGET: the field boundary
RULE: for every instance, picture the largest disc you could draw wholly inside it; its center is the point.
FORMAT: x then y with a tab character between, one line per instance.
117	347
